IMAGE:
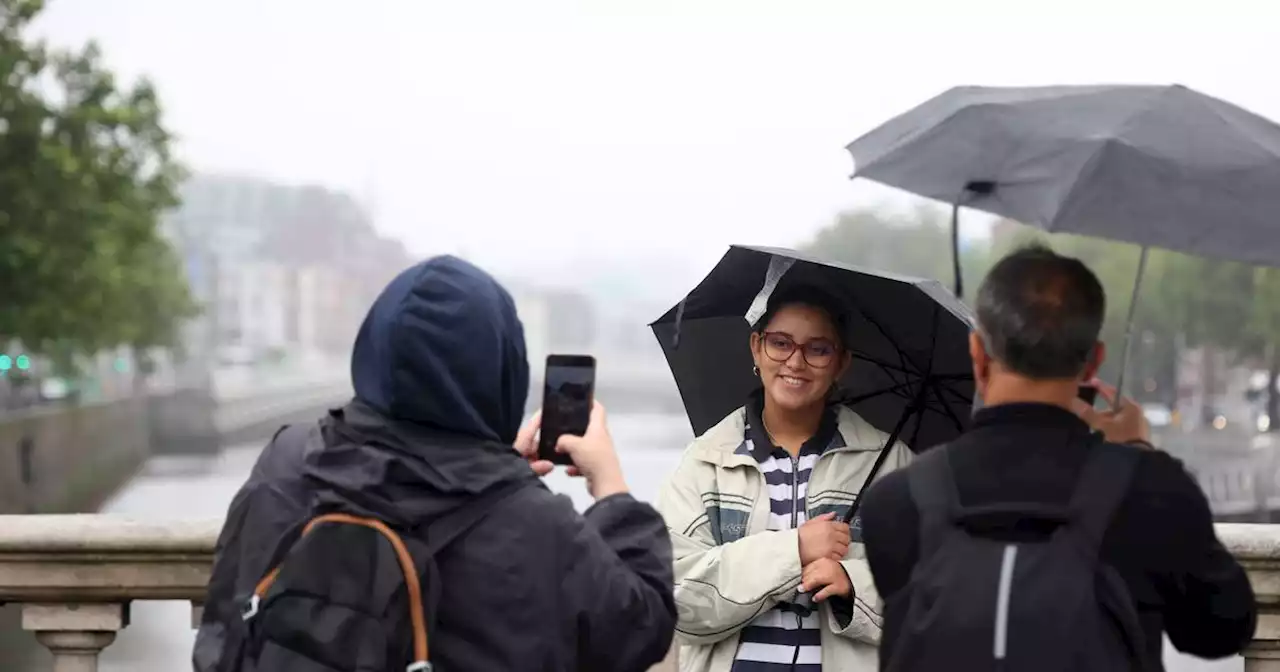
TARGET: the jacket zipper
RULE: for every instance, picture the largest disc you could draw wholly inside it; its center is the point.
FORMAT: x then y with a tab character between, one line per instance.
795	518
825	453
795	492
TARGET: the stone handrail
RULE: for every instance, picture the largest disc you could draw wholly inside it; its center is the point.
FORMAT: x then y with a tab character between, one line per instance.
75	575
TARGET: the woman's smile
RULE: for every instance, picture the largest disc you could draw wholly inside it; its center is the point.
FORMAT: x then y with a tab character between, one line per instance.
795	382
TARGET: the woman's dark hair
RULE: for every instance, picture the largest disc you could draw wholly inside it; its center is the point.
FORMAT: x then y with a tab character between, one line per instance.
806	295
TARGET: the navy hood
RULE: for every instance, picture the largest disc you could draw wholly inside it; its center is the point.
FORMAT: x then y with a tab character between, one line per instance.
442	347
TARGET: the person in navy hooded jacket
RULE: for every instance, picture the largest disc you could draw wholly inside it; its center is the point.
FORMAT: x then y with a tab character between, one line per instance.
441	378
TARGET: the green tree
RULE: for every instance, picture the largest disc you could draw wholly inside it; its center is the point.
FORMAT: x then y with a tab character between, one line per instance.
918	245
1184	301
85	173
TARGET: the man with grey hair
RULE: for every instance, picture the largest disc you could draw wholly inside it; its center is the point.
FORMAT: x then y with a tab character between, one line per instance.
1051	535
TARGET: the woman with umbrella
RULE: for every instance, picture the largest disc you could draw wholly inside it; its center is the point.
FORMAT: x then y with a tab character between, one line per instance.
768	578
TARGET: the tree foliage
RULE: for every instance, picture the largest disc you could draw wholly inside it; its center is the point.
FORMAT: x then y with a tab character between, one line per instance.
1223	305
916	244
85	173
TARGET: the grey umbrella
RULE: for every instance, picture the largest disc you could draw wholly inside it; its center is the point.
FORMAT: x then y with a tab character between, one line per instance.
1159	166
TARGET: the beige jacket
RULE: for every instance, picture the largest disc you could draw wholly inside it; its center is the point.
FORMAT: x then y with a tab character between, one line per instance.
729	568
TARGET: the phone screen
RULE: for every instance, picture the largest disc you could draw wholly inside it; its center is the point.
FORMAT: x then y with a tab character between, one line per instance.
567	396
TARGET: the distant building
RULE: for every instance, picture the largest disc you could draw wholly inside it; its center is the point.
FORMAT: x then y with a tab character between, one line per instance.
282	271
556	321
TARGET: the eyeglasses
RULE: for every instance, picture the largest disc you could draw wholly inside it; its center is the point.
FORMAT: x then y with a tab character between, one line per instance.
818	352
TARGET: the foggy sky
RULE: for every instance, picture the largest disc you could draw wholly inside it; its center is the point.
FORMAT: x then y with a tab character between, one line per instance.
546	137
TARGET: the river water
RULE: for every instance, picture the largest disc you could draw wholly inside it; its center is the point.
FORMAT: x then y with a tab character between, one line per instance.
159	639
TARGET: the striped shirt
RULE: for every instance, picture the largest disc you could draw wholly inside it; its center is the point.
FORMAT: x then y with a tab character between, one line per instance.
789	636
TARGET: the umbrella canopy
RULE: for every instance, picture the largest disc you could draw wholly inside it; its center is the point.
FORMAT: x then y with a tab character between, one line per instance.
1158	166
911	374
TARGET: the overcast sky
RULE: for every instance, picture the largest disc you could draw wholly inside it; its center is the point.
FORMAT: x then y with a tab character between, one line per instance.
528	134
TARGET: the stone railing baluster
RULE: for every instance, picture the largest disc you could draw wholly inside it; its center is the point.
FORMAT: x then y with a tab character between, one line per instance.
1257	547
75	576
75	633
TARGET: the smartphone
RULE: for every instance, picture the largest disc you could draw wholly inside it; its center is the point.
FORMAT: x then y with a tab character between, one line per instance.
567	396
1088	393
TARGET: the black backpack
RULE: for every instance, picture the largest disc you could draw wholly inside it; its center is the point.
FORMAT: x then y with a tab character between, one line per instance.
350	594
975	603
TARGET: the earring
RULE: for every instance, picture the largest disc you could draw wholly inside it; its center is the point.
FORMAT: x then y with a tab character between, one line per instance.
755	371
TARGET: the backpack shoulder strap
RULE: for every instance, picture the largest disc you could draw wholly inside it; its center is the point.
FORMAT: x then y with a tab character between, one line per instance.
933	489
1102	485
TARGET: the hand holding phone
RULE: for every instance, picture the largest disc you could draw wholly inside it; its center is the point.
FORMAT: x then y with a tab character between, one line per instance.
1087	393
594	457
1122	422
567	397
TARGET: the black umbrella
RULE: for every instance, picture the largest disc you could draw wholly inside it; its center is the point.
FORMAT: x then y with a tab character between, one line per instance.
911	375
1159	166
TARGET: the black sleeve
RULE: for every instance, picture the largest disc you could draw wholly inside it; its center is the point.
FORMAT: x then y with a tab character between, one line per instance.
621	583
1210	610
889	531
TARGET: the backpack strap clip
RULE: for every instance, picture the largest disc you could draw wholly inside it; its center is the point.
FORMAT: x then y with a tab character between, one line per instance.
251	607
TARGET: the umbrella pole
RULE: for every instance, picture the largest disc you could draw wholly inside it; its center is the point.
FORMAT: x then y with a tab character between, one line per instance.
955	250
888	447
1128	327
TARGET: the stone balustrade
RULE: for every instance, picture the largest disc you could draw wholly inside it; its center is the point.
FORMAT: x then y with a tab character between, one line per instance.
1257	547
76	575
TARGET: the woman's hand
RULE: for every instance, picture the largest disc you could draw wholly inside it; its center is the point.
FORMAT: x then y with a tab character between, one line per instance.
593	454
829	576
594	457
823	537
527	445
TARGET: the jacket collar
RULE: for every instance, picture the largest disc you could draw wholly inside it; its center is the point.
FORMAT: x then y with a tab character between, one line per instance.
759	445
726	444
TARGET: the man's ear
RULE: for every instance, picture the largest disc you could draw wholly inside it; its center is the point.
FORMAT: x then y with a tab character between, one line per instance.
1096	358
977	351
981	360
